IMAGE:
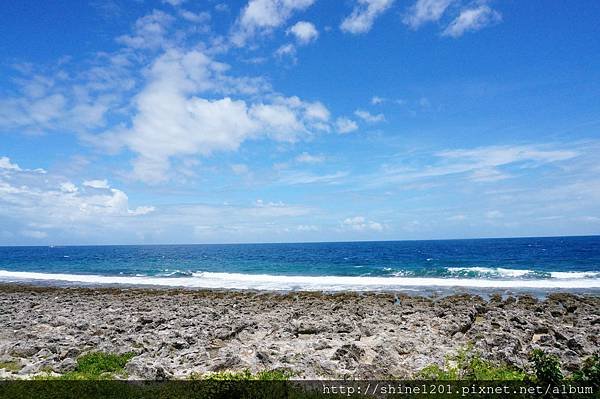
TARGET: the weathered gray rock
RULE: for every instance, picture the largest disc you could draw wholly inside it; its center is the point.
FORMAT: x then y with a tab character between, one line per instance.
146	369
174	333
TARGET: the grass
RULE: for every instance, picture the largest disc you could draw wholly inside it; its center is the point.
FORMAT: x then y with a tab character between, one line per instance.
245	375
95	366
468	364
11	366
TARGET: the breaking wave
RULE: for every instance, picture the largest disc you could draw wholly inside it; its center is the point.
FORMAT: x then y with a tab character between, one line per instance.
511	280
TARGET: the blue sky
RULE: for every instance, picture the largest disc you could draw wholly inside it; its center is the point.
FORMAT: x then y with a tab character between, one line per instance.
183	121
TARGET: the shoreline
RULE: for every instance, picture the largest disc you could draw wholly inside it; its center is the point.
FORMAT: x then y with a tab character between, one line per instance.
176	332
577	284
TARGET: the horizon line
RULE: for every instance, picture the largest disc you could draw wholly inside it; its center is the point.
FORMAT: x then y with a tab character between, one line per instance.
302	242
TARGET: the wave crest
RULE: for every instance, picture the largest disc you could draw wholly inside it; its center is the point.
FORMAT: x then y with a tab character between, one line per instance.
213	280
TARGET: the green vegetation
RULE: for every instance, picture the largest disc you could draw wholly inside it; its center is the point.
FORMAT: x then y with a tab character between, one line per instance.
245	375
546	367
589	371
468	364
12	366
94	366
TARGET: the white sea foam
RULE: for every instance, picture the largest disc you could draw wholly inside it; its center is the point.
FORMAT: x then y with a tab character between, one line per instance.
489	270
311	283
571	275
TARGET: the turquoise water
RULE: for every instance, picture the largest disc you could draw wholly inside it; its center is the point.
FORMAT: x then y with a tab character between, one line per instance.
557	262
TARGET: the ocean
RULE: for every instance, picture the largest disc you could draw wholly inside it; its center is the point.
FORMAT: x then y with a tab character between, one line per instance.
564	263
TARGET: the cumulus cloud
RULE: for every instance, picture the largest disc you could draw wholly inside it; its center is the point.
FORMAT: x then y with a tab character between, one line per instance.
304	32
368	117
50	208
68	187
172	119
50	211
424	11
360	223
47	202
262	16
345	125
185	104
5	163
471	20
363	15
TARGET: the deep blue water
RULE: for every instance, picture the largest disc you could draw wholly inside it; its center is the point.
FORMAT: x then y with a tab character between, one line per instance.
557	258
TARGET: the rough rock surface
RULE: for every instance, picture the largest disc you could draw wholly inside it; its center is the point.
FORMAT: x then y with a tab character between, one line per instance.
175	332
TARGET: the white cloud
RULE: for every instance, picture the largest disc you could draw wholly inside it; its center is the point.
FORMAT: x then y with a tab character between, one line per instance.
307	227
472	19
200	17
174	3
6	164
77	101
345	125
96	183
376	100
47	202
286	50
493	156
172	120
150	32
424	11
293	178
48	207
222	7
32	112
488	175
368	117
363	15
68	187
316	111
262	16
305	157
141	210
360	223
480	164
305	32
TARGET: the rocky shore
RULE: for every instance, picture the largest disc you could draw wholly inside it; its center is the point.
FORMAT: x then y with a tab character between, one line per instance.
174	333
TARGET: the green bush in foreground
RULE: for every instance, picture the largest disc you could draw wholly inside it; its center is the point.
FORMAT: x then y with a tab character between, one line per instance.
546	367
468	364
95	366
589	371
